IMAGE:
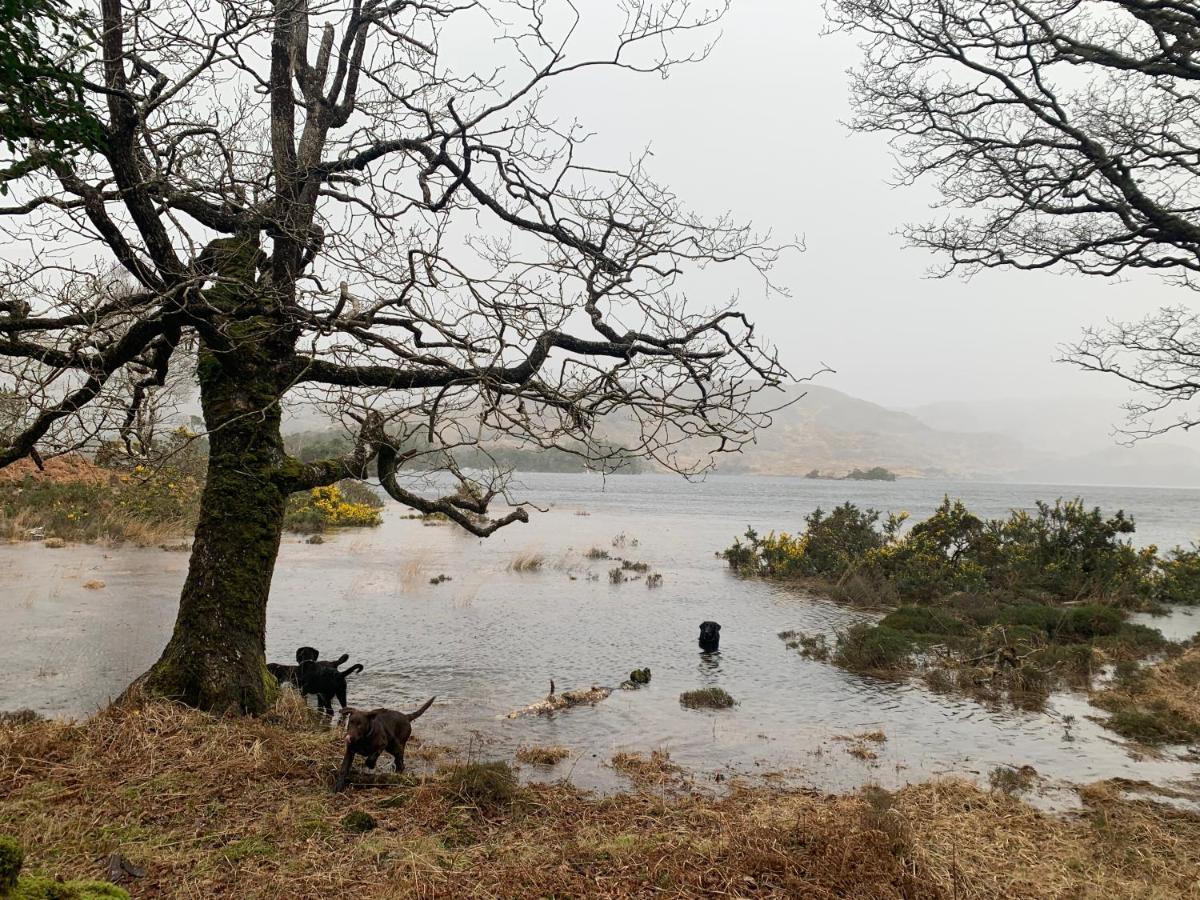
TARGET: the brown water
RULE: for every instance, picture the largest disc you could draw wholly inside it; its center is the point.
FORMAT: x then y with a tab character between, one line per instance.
491	639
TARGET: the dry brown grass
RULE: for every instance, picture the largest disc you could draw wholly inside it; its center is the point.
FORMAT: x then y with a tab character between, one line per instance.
527	562
542	756
656	768
243	808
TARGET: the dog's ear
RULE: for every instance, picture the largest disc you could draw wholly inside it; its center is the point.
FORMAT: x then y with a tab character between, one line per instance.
718	626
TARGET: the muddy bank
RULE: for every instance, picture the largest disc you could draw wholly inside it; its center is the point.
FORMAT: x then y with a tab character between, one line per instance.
206	807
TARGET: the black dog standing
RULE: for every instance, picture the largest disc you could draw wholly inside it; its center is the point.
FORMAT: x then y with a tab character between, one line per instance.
710	637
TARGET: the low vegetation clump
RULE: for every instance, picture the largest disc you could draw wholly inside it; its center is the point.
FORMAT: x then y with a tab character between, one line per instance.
347	504
1012	780
1159	704
527	562
16	886
542	756
1008	608
810	646
655	768
707	698
486	786
243	807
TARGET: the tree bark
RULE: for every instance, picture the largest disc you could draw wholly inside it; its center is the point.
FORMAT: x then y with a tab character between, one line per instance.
215	659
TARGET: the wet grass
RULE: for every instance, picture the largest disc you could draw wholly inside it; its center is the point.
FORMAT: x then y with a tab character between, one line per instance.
542	756
995	649
233	807
1156	705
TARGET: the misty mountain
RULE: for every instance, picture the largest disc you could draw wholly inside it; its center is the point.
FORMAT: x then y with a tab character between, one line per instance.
828	430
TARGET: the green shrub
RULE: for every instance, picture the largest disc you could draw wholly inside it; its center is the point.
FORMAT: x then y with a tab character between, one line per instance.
873	648
1059	552
925	620
1179	576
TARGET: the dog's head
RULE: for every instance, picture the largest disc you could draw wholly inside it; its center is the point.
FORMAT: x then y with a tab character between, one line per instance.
305	669
359	725
709	630
306	654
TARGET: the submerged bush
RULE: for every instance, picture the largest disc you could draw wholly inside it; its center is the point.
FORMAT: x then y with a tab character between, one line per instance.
707	698
873	648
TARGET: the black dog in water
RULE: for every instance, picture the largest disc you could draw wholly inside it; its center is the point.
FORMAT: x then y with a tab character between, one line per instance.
325	681
285	674
710	637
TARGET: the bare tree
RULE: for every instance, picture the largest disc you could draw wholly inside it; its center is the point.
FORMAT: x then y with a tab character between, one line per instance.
331	209
1066	133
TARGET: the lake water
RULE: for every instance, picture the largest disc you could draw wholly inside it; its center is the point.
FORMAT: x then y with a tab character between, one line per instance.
491	639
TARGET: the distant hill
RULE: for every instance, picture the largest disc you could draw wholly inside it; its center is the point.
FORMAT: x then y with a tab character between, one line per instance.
1065	441
832	431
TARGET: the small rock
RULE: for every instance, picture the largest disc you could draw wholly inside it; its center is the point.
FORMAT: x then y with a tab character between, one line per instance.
94	585
174	548
315	539
54	543
359	821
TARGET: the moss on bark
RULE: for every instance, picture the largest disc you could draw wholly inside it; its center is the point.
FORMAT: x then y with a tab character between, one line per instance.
215	658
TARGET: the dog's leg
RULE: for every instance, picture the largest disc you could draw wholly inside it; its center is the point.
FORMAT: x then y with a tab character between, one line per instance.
341	693
398	756
344	772
325	703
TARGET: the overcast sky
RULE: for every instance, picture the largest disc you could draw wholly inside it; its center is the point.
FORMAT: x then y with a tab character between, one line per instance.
756	129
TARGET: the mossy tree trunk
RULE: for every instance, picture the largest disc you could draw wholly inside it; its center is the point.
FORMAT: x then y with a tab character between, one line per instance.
215	658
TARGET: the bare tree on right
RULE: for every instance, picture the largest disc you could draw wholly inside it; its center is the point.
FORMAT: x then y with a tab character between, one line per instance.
1064	134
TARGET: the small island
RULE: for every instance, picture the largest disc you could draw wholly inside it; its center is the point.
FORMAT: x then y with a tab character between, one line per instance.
876	473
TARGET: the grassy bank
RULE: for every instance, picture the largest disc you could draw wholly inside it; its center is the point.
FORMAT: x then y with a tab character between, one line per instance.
1006	608
243	808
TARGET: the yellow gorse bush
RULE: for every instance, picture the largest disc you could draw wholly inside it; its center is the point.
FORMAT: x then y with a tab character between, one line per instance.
339	512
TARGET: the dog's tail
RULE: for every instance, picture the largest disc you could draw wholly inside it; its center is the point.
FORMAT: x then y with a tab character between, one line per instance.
357	667
341	659
417	714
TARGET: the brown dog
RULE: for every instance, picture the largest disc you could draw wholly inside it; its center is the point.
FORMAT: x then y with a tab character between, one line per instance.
379	731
